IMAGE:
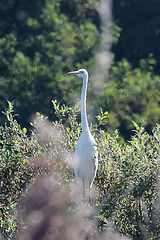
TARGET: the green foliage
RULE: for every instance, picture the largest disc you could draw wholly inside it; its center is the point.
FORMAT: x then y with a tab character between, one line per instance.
15	170
41	41
132	95
127	178
102	117
39	49
140	33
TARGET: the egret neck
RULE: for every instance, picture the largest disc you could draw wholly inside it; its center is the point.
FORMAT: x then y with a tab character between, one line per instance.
84	121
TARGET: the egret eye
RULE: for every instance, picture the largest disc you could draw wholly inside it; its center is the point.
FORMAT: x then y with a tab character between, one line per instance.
81	72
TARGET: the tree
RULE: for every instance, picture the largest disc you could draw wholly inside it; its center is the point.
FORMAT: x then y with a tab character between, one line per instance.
38	49
140	35
41	42
132	95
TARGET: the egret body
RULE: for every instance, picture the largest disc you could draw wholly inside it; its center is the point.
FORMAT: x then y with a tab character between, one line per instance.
86	154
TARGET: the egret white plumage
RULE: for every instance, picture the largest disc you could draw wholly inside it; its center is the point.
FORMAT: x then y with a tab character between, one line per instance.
86	155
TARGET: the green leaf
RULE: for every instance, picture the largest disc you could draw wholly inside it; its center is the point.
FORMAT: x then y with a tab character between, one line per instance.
24	130
136	125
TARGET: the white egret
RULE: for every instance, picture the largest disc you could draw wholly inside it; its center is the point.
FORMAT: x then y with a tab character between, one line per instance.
86	155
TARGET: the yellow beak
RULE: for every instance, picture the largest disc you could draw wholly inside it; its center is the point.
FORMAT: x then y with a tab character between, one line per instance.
73	72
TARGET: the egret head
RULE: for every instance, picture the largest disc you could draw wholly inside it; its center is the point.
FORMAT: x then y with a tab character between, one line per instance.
80	73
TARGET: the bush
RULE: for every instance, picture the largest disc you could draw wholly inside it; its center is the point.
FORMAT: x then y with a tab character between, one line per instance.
127	180
16	170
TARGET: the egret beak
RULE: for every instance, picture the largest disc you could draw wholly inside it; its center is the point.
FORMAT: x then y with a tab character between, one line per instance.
73	72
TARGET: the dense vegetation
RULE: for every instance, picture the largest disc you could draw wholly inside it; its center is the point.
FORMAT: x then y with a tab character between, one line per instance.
40	41
127	182
140	24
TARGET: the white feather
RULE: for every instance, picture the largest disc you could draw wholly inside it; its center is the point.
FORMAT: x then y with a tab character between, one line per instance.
86	154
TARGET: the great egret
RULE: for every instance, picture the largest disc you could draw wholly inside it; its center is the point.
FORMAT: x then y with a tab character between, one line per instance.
86	155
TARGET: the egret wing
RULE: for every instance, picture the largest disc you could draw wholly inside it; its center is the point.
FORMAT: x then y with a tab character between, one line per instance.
77	162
